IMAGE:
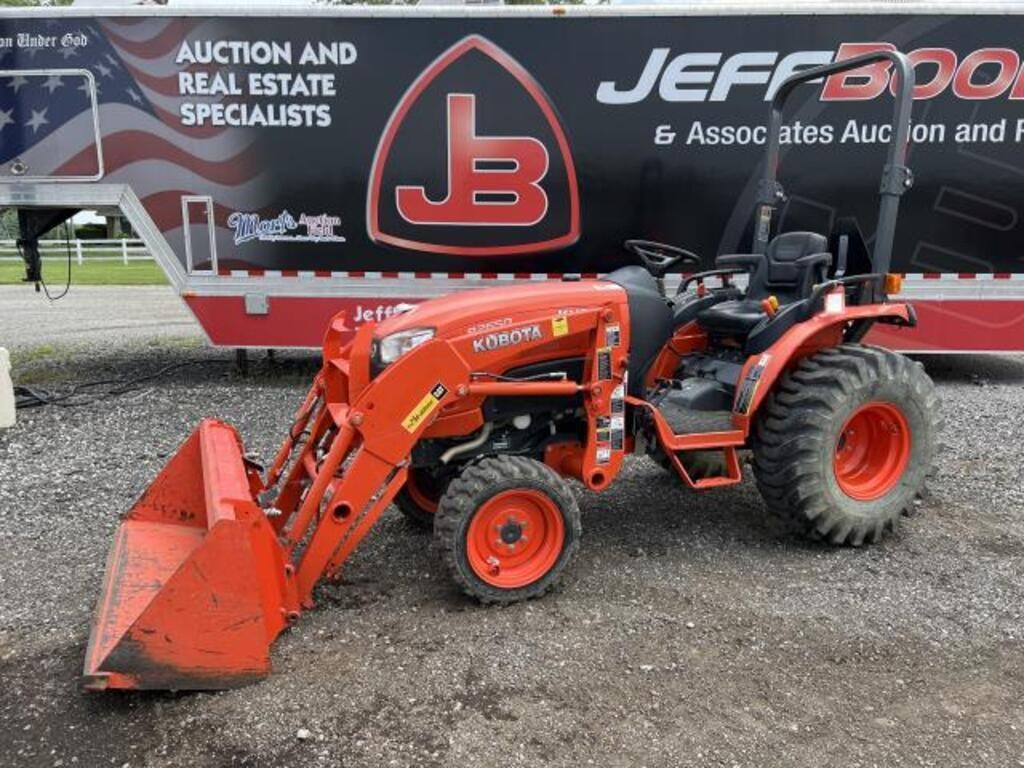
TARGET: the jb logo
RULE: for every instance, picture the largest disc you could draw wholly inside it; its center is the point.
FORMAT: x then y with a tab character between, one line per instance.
492	180
474	162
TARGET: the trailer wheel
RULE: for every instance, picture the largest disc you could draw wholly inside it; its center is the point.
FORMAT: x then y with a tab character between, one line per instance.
507	528
845	442
419	498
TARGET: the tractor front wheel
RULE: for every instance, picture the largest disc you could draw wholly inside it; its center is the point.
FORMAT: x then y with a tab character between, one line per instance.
507	528
846	441
419	497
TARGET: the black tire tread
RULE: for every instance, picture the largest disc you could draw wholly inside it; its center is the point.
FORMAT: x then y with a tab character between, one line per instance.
477	482
790	431
416	515
699	464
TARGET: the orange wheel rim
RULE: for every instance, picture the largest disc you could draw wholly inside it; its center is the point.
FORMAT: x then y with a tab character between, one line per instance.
515	538
424	499
872	451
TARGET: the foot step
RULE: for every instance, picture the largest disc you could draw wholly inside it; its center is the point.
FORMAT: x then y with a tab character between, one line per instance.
686	421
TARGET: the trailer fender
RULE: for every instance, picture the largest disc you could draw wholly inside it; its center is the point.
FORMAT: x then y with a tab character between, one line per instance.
827	329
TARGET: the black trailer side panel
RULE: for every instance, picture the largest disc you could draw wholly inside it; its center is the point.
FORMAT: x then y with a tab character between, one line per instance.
514	144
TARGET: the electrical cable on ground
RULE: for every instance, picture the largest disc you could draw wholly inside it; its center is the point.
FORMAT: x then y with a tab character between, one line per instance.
28	396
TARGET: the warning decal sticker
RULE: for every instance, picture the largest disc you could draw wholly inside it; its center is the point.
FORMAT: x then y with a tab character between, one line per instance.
424	407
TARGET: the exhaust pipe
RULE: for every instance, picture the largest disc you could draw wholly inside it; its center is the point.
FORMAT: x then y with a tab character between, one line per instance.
476	442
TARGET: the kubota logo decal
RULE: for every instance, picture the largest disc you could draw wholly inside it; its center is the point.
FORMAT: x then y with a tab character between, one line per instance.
493	341
474	162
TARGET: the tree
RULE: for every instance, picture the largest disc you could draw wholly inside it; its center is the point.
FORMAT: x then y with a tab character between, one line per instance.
8	224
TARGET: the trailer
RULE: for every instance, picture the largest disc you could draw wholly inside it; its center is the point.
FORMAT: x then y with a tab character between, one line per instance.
285	164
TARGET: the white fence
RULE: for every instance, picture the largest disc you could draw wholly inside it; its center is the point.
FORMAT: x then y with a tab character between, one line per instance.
82	250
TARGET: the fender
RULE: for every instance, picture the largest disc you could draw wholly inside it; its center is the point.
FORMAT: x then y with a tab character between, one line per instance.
687	339
826	329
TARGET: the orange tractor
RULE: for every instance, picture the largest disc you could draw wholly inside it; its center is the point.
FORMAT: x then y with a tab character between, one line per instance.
471	412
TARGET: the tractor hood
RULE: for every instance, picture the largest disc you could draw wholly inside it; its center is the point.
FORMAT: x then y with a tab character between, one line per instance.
466	312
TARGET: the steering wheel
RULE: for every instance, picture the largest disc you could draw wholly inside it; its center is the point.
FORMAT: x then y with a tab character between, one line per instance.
659	257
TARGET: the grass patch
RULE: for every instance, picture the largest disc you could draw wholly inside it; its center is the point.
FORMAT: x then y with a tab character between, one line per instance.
35	354
55	272
42	364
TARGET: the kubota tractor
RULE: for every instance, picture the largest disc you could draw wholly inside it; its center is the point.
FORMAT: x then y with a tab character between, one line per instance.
472	411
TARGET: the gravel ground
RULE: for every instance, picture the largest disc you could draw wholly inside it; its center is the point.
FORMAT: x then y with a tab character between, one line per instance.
691	631
91	313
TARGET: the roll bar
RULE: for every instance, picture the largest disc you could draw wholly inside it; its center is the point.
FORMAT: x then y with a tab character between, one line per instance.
896	177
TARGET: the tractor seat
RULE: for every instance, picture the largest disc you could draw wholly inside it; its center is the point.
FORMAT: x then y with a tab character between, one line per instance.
732	318
790	267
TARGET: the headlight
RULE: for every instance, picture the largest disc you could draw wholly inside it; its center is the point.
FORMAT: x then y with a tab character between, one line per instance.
397	344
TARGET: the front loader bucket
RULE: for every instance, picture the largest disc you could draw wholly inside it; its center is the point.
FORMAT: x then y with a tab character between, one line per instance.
196	587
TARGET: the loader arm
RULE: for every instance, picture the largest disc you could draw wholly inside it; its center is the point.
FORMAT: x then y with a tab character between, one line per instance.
214	561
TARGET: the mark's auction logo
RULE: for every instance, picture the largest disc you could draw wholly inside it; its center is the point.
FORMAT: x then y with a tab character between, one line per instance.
474	162
319	228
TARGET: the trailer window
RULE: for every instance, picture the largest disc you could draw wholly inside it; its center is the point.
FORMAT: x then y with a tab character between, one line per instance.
49	126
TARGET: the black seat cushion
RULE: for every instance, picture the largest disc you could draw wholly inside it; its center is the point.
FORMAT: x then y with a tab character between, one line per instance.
732	318
686	309
792	263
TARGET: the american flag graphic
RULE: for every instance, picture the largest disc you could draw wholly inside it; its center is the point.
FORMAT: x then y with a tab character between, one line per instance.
46	120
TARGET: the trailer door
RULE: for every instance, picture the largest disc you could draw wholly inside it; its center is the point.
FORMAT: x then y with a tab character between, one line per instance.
49	126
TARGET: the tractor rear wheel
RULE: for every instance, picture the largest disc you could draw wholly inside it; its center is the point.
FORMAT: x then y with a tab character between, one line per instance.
845	442
419	497
507	528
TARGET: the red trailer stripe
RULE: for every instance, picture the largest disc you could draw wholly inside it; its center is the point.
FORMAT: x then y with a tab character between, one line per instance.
298	321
